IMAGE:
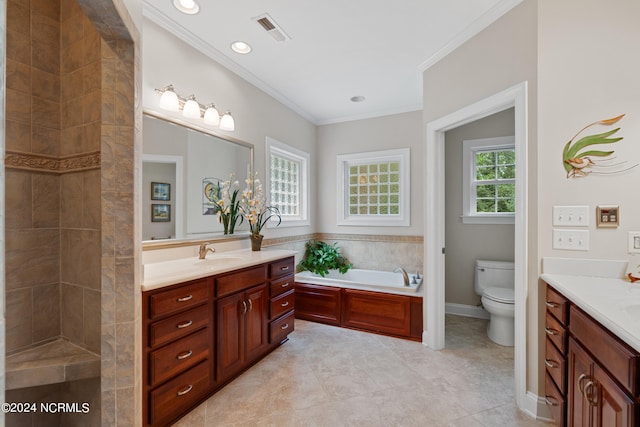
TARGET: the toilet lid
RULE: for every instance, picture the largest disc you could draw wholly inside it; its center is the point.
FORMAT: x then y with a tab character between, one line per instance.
504	295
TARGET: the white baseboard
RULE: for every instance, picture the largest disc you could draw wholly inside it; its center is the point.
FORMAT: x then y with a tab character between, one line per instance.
536	407
466	310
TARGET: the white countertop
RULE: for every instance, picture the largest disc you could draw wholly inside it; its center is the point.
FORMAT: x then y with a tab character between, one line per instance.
160	274
614	302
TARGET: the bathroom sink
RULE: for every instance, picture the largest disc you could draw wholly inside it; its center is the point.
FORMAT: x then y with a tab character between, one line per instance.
215	262
633	311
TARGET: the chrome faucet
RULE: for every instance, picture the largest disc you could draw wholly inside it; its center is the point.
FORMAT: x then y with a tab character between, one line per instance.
405	276
202	252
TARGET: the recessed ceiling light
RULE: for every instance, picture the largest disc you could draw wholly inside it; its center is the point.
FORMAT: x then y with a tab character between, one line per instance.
358	98
240	47
189	7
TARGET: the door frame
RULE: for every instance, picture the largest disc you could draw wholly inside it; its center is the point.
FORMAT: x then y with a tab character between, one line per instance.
434	260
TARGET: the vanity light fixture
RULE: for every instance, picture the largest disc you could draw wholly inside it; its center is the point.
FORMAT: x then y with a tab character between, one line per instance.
192	109
227	122
240	47
190	7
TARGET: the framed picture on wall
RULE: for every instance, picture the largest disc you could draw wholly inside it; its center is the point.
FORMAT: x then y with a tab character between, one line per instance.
160	213
160	191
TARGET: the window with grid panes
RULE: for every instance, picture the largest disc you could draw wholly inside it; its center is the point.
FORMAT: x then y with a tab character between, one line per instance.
376	188
288	181
490	166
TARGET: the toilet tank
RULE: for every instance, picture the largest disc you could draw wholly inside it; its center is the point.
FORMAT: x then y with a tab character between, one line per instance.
497	274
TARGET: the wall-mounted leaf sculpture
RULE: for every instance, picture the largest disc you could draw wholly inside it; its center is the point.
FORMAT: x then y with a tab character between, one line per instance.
580	163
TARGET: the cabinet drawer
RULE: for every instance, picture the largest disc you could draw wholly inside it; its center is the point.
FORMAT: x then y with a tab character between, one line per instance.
556	366
621	362
178	326
281	304
178	299
557	305
178	356
280	268
179	394
318	303
234	282
555	401
282	285
556	333
279	329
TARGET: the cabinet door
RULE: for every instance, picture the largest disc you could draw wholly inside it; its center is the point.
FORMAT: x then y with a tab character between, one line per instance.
580	412
615	408
229	339
256	322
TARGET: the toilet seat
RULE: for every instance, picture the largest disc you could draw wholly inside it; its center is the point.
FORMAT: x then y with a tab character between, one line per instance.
501	295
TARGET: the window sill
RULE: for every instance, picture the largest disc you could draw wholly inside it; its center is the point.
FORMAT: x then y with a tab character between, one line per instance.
489	219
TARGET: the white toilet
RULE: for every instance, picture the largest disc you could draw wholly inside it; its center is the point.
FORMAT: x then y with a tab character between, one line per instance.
494	280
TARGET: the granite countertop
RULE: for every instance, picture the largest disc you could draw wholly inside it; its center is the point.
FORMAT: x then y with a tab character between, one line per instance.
612	301
160	274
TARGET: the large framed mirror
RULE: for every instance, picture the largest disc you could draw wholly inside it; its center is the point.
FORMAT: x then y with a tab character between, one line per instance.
180	162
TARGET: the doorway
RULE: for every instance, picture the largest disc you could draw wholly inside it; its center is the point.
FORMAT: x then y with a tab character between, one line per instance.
434	249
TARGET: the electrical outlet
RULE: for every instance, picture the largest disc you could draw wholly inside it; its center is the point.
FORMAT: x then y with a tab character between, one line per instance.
607	216
571	240
571	216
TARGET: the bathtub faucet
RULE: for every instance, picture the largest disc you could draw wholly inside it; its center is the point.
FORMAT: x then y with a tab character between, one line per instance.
405	276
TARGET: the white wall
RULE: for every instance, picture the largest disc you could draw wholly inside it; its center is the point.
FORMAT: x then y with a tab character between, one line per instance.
467	242
167	60
380	133
501	56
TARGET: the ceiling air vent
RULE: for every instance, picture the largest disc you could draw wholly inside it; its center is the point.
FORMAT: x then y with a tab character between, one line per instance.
273	29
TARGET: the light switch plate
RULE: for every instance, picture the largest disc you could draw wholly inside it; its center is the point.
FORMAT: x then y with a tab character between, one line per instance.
608	216
571	216
634	242
571	240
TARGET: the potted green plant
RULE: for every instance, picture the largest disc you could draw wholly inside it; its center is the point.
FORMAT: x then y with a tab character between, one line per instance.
320	257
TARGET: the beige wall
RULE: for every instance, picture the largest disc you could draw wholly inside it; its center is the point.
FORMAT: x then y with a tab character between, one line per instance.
168	60
467	242
498	58
380	133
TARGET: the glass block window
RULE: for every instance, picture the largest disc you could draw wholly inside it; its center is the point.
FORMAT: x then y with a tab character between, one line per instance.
288	182
490	166
374	188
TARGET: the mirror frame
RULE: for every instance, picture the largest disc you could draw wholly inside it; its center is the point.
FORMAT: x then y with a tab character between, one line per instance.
173	243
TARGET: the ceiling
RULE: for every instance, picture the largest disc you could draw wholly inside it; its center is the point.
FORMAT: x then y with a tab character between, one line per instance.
337	49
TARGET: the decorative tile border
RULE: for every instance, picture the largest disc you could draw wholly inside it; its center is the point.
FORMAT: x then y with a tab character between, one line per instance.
333	236
52	164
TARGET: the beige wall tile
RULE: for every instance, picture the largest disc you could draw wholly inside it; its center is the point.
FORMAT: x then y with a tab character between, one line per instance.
18	198
45	113
18	17
18	106
46	200
79	262
46	312
46	86
71	203
38	249
48	8
17	136
45	43
18	76
71	312
18	47
45	140
92	320
18	316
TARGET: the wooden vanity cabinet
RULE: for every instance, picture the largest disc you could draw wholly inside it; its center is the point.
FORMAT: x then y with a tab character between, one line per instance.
555	359
200	334
602	375
178	349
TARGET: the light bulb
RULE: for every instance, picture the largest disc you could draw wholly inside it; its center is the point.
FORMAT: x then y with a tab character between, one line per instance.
189	7
169	99
227	122
191	108
211	115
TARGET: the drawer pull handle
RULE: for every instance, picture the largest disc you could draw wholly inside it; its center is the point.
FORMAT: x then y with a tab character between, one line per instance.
552	304
187	298
185	390
284	304
581	378
550	400
284	268
284	285
250	305
185	324
551	363
285	326
185	355
550	331
244	307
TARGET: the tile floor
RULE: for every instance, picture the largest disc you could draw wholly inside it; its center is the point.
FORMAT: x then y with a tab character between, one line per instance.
327	376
